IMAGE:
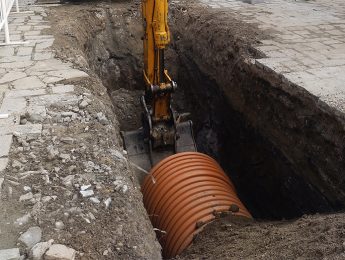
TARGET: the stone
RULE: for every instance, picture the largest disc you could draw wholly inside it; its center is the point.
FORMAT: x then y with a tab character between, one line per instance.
60	252
11	76
95	200
83	104
29	131
43	55
38	250
3	163
22	220
102	118
24	51
59	225
16	65
27	196
13	105
32	82
68	74
25	93
5	145
6	51
10	254
62	89
31	237
86	193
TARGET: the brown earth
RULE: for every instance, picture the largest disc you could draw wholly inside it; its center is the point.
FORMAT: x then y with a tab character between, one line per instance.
104	39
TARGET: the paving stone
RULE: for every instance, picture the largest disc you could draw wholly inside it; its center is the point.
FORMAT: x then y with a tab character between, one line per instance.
16	65
13	105
10	254
68	74
5	145
43	55
6	51
62	89
26	92
11	76
3	165
32	82
58	99
11	59
28	131
24	51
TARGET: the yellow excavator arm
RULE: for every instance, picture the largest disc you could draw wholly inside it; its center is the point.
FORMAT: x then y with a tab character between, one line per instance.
163	133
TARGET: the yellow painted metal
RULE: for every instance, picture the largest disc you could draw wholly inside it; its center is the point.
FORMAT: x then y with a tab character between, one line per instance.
156	39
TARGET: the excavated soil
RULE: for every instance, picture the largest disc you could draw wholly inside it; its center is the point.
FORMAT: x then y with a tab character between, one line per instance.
240	119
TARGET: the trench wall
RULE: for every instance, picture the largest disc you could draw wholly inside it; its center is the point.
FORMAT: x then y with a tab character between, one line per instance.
282	146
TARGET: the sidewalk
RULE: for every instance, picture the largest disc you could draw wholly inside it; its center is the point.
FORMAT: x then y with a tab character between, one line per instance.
307	44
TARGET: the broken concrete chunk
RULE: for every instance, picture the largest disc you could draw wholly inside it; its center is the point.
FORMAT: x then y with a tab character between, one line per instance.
31	237
86	193
60	252
39	249
27	196
22	220
10	254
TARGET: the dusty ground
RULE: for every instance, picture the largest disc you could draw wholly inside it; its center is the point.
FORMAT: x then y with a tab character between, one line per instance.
104	39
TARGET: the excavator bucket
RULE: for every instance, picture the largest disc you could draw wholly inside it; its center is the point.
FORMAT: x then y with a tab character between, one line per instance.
144	158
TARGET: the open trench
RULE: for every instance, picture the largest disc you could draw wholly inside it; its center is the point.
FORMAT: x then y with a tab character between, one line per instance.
266	139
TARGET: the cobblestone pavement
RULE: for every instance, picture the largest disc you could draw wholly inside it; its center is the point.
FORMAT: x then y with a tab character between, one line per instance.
307	44
28	73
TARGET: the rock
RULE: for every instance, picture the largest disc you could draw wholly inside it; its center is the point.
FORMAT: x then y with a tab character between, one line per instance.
22	220
59	225
31	237
60	252
39	249
65	156
95	200
10	254
86	193
102	118
68	180
27	196
26	188
85	187
83	104
52	153
107	202
67	140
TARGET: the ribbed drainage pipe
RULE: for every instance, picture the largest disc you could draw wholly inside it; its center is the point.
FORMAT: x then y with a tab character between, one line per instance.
182	193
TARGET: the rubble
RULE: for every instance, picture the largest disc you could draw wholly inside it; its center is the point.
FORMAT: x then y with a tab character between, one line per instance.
38	250
60	252
31	237
10	254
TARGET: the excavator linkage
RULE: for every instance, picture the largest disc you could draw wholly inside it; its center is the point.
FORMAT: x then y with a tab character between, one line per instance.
140	154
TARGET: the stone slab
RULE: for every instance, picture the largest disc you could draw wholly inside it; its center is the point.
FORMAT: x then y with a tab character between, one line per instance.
10	254
11	76
3	165
13	105
62	89
32	82
5	145
28	131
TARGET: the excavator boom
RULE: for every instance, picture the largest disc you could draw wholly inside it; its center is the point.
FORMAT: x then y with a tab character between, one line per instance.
162	133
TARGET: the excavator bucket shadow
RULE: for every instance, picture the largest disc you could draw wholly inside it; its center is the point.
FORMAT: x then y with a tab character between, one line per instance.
143	158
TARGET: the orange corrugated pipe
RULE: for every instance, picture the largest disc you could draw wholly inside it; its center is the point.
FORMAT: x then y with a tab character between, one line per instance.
182	193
